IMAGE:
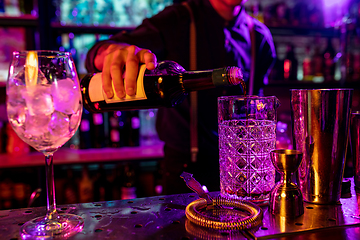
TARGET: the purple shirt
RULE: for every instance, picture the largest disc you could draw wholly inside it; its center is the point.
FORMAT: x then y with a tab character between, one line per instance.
220	43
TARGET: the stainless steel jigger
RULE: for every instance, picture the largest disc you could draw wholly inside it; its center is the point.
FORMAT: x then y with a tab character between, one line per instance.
285	198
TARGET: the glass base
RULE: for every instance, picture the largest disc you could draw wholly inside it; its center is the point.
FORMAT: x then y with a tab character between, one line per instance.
62	225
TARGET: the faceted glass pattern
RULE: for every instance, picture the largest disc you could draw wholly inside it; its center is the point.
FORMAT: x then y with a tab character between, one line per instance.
246	170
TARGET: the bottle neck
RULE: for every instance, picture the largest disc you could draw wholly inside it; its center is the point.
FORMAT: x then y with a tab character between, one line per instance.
197	80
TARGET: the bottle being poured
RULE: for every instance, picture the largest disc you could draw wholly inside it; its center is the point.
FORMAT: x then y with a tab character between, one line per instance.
165	86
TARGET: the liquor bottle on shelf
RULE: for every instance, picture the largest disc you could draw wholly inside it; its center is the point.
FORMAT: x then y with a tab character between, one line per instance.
354	61
300	14
97	130
12	8
74	141
106	142
26	6
85	187
134	131
114	129
349	63
70	190
15	146
72	48
317	63
118	182
85	133
282	138
148	134
316	19
167	85
356	67
102	187
6	193
328	61
290	64
2	136
124	128
307	66
277	72
21	192
128	190
256	11
2	6
280	16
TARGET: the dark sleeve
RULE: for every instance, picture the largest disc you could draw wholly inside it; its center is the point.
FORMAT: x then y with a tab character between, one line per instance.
149	35
266	55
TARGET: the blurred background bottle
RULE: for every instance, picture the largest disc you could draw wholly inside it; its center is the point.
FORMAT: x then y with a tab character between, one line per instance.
256	11
128	189
134	131
14	145
282	137
102	187
86	188
98	130
70	188
317	62
307	66
6	192
124	128
84	130
290	64
114	129
148	134
328	61
21	191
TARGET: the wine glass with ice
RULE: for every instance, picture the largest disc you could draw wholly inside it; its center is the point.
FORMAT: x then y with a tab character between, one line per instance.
44	107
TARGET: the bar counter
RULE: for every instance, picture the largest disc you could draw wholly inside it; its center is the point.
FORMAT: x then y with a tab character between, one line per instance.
163	217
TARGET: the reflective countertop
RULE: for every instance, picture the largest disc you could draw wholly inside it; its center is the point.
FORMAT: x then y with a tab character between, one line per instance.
163	217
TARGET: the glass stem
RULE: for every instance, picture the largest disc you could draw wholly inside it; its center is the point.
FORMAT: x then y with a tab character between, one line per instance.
50	187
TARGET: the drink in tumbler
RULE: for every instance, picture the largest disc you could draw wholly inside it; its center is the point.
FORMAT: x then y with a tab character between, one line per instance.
247	134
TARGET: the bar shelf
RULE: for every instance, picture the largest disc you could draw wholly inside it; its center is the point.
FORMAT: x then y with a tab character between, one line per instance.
303	31
67	156
26	20
101	29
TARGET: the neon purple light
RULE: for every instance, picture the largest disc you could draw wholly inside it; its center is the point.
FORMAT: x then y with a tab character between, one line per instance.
334	12
330	3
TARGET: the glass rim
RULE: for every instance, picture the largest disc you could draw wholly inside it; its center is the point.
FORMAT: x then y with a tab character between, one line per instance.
322	89
42	53
242	97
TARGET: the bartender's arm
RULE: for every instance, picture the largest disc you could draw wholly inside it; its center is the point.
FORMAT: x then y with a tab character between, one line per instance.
113	58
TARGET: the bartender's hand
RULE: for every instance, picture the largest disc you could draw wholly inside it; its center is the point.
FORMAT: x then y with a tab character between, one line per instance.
113	59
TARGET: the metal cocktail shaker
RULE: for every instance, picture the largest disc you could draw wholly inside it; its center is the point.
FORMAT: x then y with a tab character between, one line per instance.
320	130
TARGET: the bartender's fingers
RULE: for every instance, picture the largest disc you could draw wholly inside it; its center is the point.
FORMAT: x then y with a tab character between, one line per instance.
132	68
149	59
106	74
116	72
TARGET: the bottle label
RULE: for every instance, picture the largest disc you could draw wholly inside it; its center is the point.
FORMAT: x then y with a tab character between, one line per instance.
97	94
